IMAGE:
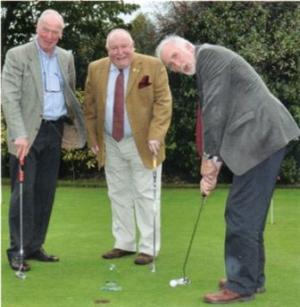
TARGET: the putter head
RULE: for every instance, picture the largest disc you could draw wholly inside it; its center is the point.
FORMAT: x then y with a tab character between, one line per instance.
21	275
184	281
180	282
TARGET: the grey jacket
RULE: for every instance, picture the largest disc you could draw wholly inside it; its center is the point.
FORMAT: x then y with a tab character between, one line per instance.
243	122
22	96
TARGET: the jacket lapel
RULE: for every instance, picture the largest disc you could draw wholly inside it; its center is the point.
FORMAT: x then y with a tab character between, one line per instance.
198	76
102	80
35	67
135	71
63	64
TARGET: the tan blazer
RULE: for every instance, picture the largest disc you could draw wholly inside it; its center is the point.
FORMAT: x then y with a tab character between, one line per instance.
148	104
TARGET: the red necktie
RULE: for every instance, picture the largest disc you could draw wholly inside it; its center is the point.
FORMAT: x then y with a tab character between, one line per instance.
118	116
199	131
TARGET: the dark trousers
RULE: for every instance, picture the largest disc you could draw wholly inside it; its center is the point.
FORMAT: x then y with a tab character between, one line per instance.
41	172
246	212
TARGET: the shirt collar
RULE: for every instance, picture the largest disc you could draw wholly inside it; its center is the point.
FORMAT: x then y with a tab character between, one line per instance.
114	68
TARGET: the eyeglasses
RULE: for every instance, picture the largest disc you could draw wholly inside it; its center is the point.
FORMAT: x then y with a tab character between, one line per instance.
52	83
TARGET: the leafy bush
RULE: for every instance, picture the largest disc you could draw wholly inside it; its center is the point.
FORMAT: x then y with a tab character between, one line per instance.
265	34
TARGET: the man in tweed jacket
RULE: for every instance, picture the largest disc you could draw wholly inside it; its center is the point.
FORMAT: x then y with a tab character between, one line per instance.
248	129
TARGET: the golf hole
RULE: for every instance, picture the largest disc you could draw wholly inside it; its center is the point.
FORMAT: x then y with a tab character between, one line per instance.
102	301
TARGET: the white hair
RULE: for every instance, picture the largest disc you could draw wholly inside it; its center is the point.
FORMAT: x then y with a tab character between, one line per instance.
174	39
53	13
115	31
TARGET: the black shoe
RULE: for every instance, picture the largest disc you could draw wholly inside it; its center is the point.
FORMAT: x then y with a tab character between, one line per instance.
41	255
17	266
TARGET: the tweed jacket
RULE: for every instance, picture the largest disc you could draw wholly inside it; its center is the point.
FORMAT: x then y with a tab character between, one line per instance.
243	122
22	96
148	103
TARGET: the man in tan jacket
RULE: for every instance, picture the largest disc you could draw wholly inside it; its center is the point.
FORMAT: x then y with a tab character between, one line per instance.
128	110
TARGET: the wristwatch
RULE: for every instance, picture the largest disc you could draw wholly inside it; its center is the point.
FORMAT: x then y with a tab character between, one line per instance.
207	156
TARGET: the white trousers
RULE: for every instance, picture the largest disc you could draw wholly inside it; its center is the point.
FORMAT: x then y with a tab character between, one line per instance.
134	192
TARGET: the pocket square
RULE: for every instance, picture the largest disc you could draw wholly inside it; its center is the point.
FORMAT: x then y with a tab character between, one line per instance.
144	82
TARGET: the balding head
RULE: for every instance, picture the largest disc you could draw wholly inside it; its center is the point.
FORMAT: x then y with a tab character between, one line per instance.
53	16
178	54
120	47
116	34
49	30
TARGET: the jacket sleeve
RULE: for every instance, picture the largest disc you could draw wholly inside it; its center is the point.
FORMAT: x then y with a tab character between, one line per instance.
72	72
12	79
90	108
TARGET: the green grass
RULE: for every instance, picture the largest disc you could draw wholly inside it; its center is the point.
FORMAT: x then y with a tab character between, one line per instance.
80	231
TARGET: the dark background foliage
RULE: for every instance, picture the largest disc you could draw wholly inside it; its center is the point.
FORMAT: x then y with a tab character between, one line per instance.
265	33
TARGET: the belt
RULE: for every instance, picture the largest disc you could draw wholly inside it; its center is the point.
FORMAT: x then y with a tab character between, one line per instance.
124	137
54	121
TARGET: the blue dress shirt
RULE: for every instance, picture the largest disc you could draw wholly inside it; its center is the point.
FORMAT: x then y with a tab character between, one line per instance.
54	105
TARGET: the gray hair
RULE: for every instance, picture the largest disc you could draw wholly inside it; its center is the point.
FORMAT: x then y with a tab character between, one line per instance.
114	31
53	13
172	38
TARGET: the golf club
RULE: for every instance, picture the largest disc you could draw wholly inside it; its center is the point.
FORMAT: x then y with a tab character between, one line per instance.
20	274
154	164
185	280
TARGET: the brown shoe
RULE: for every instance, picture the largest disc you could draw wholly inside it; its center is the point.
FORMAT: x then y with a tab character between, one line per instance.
222	283
116	253
226	296
143	259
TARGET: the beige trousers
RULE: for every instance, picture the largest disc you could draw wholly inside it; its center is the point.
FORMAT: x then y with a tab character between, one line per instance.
135	197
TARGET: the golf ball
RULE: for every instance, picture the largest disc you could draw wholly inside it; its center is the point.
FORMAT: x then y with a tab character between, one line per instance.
173	283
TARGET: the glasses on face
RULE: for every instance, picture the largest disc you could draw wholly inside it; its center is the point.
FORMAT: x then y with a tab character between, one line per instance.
52	83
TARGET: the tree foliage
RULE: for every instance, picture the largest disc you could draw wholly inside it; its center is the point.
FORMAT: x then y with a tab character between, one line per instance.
87	24
143	32
265	34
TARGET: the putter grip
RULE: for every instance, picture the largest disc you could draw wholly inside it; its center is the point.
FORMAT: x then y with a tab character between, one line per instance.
21	170
154	162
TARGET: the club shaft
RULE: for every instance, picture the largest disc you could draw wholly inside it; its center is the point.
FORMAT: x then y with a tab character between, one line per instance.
192	237
154	216
21	182
21	221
